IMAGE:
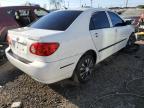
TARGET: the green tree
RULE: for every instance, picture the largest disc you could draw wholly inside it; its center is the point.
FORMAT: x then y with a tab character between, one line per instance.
140	6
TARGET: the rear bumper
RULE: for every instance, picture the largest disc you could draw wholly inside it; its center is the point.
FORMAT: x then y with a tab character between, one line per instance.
44	72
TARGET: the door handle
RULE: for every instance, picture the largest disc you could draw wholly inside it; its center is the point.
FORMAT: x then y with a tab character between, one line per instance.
96	34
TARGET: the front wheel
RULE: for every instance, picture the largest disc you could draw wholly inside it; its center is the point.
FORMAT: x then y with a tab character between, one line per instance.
84	69
131	46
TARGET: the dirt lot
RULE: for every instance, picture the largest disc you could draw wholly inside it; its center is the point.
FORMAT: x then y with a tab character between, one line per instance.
118	82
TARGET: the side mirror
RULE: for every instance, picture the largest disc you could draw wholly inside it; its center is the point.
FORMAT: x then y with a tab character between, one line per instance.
128	22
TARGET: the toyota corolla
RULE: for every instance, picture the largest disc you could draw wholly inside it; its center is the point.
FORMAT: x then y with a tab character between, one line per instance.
68	43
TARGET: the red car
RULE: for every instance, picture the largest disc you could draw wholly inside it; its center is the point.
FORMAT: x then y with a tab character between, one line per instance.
17	16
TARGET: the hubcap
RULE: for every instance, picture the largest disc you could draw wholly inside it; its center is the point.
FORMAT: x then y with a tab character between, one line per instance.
86	68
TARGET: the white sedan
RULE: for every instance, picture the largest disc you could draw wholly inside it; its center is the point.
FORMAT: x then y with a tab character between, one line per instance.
68	43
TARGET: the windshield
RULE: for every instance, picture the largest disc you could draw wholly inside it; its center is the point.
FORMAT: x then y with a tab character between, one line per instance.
59	20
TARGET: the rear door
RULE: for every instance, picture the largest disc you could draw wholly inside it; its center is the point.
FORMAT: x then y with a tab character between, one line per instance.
102	34
122	30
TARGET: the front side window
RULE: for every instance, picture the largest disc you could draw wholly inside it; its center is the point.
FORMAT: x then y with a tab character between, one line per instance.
99	21
116	20
59	20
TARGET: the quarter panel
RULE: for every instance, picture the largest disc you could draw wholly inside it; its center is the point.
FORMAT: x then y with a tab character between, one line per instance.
75	40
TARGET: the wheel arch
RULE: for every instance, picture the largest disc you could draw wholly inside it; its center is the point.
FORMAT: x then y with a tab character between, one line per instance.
132	34
91	51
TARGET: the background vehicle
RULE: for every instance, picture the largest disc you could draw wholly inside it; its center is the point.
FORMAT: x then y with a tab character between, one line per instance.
134	20
134	16
68	43
17	16
140	32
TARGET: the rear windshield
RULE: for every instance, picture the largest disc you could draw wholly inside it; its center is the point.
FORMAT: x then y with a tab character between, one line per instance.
59	20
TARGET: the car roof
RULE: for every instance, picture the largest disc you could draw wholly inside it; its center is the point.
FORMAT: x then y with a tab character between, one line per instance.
18	7
89	9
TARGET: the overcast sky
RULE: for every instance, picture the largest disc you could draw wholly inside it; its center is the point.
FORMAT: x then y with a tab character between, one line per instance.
76	3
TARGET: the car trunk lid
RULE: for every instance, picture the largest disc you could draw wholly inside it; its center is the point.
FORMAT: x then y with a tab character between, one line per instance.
21	40
33	33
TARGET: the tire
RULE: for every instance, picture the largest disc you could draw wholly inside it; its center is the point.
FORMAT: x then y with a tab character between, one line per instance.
2	50
131	46
3	37
84	69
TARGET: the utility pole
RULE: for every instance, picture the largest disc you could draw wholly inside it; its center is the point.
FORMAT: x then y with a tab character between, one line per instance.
98	2
80	3
68	4
64	4
91	3
126	3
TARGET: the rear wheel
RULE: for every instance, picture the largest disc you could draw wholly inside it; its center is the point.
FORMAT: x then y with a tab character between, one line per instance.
84	69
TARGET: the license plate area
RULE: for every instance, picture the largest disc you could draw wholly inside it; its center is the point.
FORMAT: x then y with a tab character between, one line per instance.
20	48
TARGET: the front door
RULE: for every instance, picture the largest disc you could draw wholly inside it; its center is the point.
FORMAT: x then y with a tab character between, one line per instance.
122	30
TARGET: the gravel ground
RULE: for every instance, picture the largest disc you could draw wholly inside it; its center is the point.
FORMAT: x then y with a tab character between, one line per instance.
118	82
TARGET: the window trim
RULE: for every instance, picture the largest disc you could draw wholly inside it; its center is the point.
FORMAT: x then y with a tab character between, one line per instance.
93	21
112	26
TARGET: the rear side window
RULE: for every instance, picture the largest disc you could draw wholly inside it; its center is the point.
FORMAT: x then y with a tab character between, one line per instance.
99	21
59	20
116	20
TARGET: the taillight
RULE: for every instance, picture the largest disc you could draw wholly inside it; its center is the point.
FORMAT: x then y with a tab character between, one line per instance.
43	49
